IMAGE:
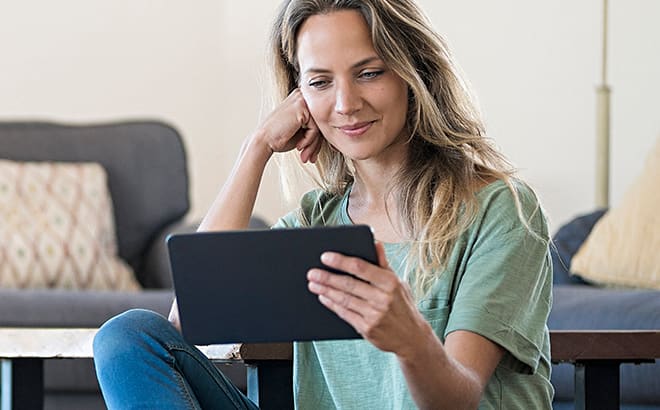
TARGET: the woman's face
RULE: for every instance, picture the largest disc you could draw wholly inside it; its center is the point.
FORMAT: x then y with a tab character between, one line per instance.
358	104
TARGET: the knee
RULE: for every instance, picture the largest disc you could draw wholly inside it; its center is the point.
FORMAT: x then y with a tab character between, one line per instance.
126	331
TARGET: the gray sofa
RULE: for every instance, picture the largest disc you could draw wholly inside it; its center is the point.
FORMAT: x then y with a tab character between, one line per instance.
148	181
579	305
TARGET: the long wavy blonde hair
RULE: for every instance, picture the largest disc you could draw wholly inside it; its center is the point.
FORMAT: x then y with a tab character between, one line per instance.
449	155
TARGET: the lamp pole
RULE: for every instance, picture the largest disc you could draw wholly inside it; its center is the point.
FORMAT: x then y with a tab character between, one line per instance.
603	126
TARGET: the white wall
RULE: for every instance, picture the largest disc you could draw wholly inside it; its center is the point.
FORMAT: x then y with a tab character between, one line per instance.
200	66
535	65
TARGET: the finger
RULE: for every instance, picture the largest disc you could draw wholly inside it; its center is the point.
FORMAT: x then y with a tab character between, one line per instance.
358	267
306	155
354	319
380	253
310	127
304	116
311	124
341	298
308	137
310	152
324	281
318	144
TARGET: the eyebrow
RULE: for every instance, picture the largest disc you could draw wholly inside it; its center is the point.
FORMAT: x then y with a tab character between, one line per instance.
356	65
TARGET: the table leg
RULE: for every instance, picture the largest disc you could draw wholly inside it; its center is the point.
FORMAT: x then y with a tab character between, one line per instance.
5	386
270	384
597	385
22	384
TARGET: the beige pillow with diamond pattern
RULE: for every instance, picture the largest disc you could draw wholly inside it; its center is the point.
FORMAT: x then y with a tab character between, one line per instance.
623	249
57	228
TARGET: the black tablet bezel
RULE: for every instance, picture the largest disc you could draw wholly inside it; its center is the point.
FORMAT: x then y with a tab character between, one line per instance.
251	286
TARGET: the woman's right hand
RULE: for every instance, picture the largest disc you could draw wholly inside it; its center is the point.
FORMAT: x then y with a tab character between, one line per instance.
290	125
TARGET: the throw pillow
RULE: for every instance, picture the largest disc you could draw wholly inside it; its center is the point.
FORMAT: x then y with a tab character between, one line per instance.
567	241
57	228
624	246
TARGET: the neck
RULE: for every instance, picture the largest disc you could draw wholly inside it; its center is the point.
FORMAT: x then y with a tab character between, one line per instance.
369	201
373	176
371	186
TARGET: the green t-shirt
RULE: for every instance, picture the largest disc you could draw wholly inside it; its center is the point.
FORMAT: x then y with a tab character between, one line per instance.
497	284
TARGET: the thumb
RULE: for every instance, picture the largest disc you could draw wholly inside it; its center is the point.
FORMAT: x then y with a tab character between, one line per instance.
380	252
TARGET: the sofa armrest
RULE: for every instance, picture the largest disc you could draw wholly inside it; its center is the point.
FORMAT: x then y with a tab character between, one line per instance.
156	272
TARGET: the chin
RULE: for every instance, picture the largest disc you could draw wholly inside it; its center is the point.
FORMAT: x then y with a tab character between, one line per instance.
357	156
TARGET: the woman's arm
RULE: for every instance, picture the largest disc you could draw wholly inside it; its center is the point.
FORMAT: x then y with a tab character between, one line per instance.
381	308
289	126
233	206
452	376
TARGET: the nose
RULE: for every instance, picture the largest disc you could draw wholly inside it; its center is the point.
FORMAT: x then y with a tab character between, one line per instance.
347	98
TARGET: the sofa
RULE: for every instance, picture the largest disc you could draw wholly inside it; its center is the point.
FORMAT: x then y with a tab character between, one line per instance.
579	305
147	179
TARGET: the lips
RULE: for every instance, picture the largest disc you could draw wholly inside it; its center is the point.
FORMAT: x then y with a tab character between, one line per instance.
356	129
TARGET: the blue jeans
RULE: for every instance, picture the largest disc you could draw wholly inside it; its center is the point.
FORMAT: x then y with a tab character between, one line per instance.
142	362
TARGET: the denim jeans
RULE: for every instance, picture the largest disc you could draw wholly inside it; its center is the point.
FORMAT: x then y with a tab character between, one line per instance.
142	362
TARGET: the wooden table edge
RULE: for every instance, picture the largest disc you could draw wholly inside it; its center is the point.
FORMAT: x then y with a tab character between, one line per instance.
566	345
622	345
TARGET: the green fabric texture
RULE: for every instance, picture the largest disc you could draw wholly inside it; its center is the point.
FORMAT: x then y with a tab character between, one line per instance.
497	283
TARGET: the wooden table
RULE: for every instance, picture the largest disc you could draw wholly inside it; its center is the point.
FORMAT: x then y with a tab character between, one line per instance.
597	355
23	350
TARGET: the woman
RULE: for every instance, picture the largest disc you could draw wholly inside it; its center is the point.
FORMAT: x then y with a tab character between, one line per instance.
453	316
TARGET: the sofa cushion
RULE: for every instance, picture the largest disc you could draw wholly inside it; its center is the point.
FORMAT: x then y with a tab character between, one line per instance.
58	228
622	249
71	308
145	162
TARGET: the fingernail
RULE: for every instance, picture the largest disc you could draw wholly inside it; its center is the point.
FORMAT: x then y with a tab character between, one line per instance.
326	257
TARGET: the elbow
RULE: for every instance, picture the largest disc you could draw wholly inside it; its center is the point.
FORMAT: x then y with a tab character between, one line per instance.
466	396
471	393
475	391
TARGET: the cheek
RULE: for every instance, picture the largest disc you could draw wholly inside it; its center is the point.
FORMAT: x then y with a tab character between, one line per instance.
317	106
318	110
400	106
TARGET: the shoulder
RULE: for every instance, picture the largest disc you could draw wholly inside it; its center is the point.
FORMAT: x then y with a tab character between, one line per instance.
510	205
317	207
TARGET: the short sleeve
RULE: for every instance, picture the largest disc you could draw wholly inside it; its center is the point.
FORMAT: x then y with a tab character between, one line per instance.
287	221
505	291
317	208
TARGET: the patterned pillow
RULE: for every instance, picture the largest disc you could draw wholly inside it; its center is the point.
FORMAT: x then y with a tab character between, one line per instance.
623	249
57	228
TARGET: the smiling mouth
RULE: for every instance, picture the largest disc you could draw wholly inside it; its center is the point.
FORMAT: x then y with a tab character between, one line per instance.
356	129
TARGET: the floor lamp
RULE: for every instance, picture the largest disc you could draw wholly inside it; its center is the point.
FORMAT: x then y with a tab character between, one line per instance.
603	127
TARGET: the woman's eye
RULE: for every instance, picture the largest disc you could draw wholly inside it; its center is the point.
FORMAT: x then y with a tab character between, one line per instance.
371	74
318	83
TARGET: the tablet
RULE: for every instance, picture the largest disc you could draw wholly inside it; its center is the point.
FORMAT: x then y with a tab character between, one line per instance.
251	286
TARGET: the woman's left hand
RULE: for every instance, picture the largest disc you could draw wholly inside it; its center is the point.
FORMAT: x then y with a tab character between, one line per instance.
380	306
